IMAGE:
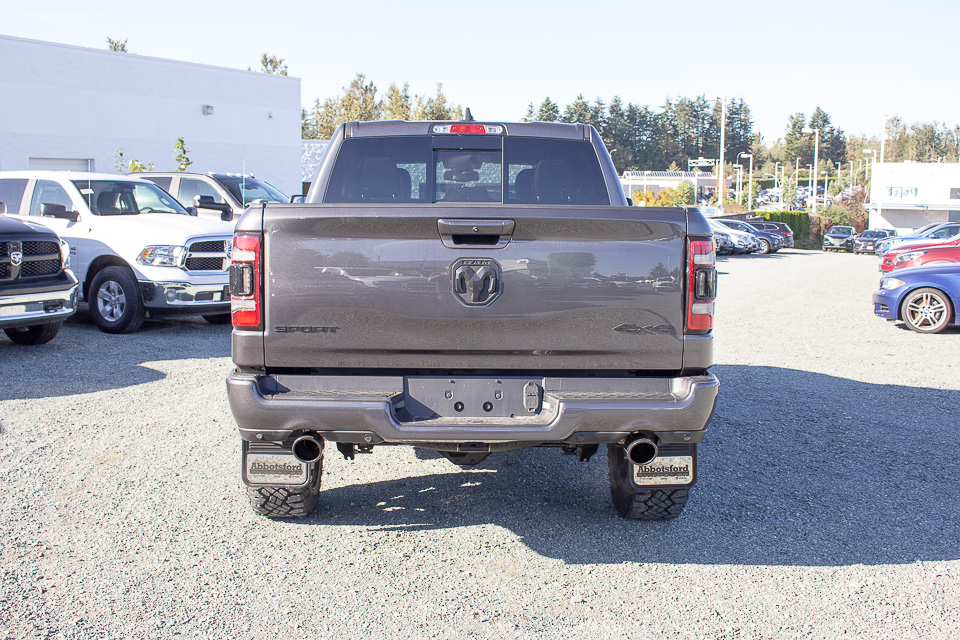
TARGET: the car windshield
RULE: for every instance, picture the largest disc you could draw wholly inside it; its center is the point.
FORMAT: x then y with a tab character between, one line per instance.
126	197
873	234
840	231
254	191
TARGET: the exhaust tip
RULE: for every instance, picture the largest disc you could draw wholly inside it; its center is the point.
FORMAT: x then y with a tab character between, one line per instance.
642	451
307	449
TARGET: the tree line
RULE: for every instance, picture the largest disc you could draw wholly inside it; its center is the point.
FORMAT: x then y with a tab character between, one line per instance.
669	137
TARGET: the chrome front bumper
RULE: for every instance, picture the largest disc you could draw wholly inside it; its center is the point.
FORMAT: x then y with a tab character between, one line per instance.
26	310
185	296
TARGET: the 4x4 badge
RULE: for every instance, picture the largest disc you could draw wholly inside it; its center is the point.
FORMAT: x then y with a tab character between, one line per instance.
476	281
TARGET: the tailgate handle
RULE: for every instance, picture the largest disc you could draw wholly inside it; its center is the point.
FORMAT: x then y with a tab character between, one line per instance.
494	234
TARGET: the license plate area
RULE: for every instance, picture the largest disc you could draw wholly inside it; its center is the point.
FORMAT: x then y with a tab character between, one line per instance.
429	397
270	464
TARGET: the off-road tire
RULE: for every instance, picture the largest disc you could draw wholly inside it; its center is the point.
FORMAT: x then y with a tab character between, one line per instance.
640	504
131	312
36	334
218	318
287	502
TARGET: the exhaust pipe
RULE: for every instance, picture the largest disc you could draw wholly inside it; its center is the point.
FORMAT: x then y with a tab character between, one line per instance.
642	451
307	449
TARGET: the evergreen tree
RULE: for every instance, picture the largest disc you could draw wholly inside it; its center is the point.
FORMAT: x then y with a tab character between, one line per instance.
396	104
548	111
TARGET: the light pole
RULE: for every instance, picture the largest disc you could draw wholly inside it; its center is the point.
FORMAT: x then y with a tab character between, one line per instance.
778	180
810	184
816	163
853	176
739	168
867	176
750	183
826	176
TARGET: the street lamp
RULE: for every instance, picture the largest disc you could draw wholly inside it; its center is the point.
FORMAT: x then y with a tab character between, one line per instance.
810	185
750	185
739	168
874	152
816	162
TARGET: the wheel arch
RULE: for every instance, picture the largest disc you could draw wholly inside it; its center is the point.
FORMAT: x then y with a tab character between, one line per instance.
98	265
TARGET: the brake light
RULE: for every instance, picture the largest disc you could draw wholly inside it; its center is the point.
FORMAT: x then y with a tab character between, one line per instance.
467	128
245	281
701	285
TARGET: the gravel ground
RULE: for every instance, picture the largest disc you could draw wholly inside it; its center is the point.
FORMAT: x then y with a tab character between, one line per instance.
827	503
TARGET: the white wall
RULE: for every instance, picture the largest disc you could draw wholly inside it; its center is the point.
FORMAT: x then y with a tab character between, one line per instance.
906	195
74	103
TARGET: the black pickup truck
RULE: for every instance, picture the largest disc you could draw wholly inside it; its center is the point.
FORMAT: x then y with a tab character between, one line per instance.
471	288
37	289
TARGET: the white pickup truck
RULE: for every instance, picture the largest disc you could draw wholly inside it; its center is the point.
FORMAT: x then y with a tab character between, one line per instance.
134	248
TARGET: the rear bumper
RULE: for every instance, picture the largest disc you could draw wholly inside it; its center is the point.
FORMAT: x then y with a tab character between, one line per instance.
365	410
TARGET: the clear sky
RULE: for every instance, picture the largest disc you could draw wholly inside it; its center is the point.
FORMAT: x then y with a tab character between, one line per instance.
859	61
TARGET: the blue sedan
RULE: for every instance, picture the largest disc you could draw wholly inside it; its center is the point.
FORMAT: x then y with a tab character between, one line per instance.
925	298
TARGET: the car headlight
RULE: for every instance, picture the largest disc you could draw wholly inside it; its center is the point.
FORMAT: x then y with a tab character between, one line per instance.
160	256
64	255
909	255
891	283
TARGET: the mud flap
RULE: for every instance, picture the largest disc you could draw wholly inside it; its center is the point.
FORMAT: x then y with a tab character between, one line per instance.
674	467
272	464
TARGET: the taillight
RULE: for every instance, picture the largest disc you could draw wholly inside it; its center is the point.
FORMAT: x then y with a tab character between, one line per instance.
701	285
245	281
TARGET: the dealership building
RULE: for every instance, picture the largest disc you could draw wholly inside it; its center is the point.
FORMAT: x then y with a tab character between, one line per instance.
74	108
907	195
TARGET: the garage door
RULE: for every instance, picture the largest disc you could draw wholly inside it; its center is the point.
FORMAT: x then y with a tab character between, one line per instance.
62	164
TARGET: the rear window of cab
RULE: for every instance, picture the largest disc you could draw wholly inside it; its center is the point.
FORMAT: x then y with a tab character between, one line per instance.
508	170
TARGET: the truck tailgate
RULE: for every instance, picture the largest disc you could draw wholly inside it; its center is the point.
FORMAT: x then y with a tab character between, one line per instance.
455	287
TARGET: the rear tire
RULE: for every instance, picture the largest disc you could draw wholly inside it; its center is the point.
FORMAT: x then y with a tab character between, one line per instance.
36	334
116	305
287	502
640	504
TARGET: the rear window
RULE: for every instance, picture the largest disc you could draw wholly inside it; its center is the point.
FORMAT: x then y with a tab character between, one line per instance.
419	169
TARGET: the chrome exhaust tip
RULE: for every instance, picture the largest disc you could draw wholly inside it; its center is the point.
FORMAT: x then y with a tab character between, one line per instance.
307	449
641	451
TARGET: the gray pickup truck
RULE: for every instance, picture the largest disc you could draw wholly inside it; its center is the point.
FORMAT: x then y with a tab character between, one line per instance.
471	288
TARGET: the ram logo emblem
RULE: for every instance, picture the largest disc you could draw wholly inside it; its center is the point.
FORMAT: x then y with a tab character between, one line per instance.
476	281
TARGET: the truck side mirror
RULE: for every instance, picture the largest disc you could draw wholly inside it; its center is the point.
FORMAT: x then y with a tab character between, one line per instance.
51	210
296	199
629	202
207	202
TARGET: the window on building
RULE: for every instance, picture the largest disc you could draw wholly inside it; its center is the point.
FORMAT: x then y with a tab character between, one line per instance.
955	193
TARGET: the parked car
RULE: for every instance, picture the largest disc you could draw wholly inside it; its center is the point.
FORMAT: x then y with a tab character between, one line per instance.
723	242
924	298
839	238
216	195
889	260
37	289
742	242
867	241
135	250
768	242
785	232
927	256
929	234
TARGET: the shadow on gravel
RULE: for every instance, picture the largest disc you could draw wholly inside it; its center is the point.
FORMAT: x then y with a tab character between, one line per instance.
83	359
798	469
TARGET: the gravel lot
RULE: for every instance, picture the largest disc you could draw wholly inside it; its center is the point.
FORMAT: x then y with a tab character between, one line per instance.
827	503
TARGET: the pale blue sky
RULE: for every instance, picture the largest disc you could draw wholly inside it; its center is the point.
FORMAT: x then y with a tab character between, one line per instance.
858	61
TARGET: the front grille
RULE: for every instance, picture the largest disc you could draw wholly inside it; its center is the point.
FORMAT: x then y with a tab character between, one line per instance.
39	268
4	250
884	308
4	272
39	248
204	264
207	246
208	255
